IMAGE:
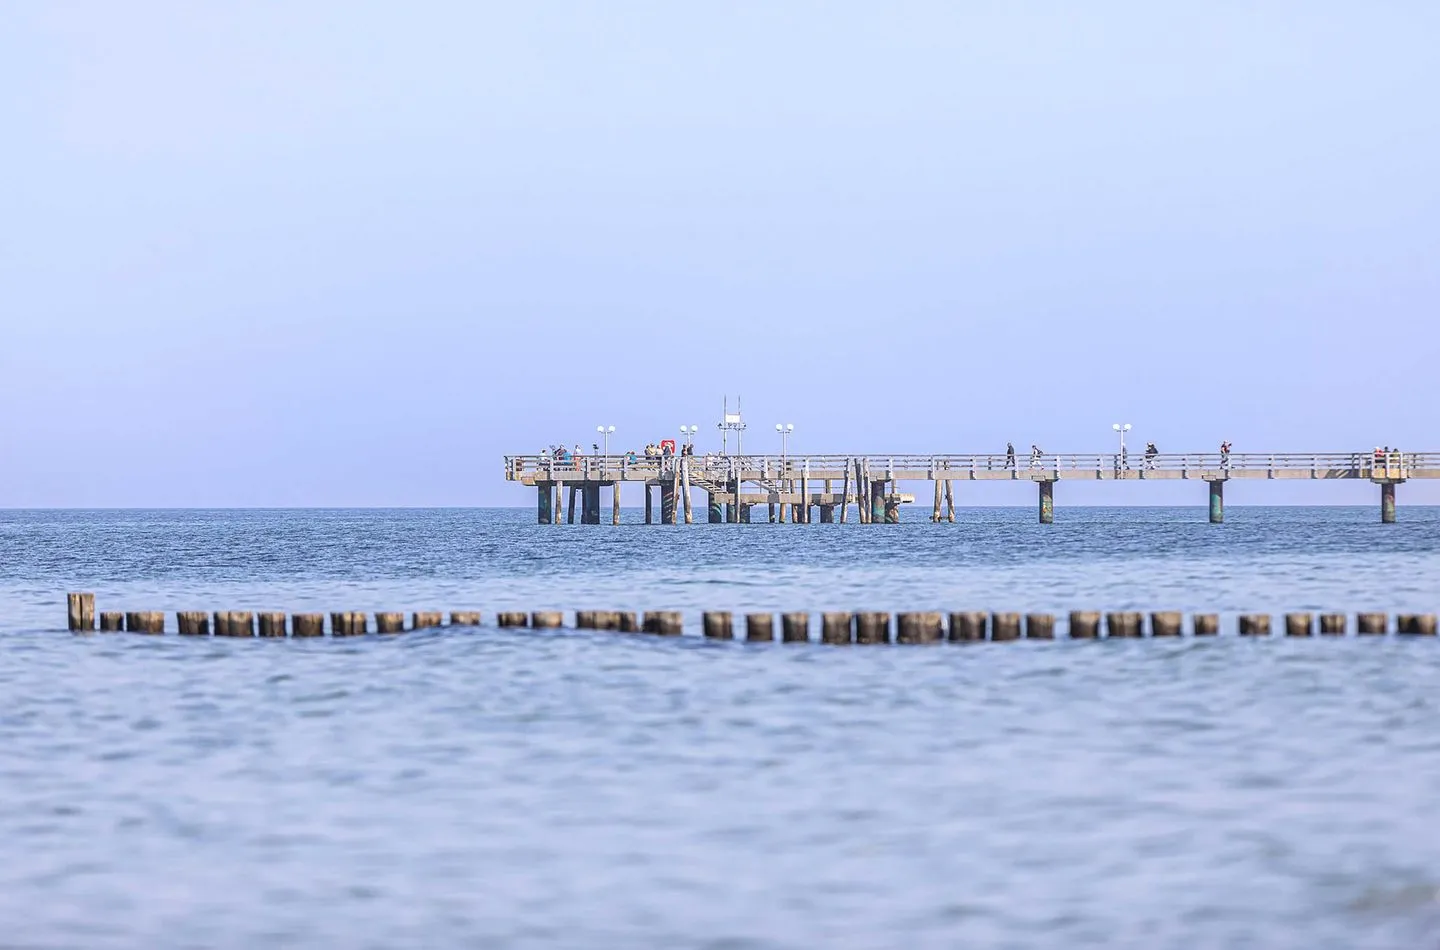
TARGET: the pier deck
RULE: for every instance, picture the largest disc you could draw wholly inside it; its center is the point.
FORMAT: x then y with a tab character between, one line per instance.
869	481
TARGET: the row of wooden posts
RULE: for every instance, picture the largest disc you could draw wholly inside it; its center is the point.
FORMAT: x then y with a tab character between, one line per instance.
835	627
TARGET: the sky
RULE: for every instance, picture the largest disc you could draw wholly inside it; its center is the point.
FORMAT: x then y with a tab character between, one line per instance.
353	253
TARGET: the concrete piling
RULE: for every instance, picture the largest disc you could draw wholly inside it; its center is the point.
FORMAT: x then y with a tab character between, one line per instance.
1124	624
145	621
1420	625
1205	625
1299	624
794	627
307	625
968	625
590	499
545	493
1166	623
923	627
669	623
80	612
1039	626
465	618
426	619
1004	626
271	623
835	627
1084	624
1217	501
667	501
546	619
1387	502
760	628
872	626
512	618
718	624
1254	625
650	507
877	501
111	621
193	623
1047	501
389	622
714	512
1371	624
1332	625
570	508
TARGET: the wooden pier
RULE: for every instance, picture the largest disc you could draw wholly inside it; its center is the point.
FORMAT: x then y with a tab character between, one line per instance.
795	488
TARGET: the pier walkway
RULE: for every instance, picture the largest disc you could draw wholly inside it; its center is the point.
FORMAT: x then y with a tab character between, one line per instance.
794	486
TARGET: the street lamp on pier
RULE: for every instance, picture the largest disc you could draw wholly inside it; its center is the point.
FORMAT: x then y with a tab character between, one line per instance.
688	434
1122	428
785	430
605	433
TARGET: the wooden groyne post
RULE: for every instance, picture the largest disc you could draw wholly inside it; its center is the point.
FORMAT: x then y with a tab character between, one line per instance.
80	611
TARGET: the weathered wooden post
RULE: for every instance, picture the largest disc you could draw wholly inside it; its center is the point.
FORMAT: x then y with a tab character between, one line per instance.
545	492
949	501
559	506
1166	623
80	612
760	628
1039	627
667	623
1205	625
426	619
1123	623
649	506
570	504
1387	502
1217	501
794	627
272	623
1299	625
512	618
1004	626
465	618
922	627
145	621
968	625
835	627
1332	625
111	621
1371	624
238	623
626	621
546	619
389	622
193	623
939	498
804	510
1047	501
1084	624
685	490
872	626
845	494
1254	625
719	625
307	625
1416	625
615	501
348	623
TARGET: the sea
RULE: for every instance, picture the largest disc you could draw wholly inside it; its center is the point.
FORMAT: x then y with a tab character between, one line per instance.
494	788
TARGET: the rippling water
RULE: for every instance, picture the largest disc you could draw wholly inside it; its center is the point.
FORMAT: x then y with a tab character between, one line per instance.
495	788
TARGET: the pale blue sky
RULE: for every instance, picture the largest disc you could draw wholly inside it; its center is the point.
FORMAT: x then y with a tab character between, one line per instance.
322	253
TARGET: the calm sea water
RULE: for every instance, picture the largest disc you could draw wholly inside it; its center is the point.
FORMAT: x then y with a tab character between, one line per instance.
491	788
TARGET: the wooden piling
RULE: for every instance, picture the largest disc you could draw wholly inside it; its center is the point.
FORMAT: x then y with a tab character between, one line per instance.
193	623
307	625
1417	625
1004	626
845	494
111	621
1124	623
512	618
760	628
1299	625
1084	624
570	510
615	502
649	506
1205	625
626	621
794	627
968	625
426	619
872	627
348	623
669	623
719	625
1039	627
1254	625
389	622
465	618
546	619
1166	623
1332	625
238	623
80	612
272	623
939	498
835	627
804	509
558	508
684	491
1371	624
949	501
145	621
586	620
923	627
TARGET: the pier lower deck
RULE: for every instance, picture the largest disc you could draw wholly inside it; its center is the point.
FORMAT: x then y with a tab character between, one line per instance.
795	487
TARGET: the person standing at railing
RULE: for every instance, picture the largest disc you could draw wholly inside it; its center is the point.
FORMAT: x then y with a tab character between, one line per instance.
1225	454
1150	452
1035	454
1009	454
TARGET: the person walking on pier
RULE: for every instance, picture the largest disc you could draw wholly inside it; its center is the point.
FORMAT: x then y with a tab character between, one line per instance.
1009	454
1150	452
1225	454
1035	454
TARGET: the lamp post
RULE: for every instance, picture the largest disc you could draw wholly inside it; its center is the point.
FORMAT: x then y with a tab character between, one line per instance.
605	433
688	434
785	430
1122	428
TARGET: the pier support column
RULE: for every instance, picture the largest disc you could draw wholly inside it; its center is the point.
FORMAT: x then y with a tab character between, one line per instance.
570	510
1217	501
827	514
1387	502
772	512
877	501
615	502
667	502
745	513
732	513
559	505
545	491
1047	501
590	503
715	513
649	506
892	506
